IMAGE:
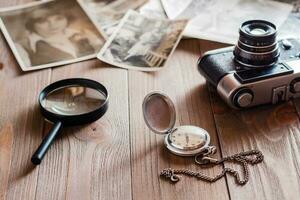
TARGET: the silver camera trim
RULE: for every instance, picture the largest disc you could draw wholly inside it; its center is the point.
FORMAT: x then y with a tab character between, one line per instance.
264	91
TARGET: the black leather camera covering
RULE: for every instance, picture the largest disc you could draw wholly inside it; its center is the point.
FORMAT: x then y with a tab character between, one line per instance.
215	66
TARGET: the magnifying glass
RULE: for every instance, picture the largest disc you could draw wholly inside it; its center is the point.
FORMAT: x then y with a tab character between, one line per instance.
70	102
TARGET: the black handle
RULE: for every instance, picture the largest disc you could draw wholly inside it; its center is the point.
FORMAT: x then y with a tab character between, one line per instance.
39	154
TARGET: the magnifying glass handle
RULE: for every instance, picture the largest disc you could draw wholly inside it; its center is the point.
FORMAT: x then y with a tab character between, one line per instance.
39	154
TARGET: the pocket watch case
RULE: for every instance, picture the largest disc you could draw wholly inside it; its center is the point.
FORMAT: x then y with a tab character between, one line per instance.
160	116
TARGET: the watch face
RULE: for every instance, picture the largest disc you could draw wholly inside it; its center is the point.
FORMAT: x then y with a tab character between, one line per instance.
188	138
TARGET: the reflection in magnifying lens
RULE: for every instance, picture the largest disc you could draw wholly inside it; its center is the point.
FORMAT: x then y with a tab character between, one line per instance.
70	102
73	100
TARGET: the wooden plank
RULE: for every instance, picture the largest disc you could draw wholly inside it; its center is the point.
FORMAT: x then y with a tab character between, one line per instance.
6	139
92	161
185	86
18	93
19	107
104	160
272	129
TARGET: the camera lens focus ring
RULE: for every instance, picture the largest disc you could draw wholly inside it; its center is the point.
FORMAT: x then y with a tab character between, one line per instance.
257	49
257	46
253	60
258	33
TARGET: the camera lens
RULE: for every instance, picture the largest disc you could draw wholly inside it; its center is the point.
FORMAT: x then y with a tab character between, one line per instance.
257	46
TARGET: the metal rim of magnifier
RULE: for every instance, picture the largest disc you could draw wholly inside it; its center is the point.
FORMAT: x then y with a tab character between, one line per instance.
69	120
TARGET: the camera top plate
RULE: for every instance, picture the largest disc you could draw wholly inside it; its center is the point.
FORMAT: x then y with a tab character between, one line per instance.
253	75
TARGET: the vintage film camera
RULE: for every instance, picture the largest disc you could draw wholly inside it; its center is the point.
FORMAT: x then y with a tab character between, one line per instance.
258	70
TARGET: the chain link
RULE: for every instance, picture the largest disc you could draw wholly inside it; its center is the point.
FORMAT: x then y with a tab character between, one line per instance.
244	159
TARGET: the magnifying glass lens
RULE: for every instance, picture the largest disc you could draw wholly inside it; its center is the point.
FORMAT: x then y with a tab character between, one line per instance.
70	102
73	100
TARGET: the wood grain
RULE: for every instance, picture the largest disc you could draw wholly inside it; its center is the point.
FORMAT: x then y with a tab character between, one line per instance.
118	157
18	93
182	83
19	107
272	129
6	139
91	161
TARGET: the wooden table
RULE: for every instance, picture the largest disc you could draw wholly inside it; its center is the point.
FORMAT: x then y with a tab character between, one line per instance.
118	157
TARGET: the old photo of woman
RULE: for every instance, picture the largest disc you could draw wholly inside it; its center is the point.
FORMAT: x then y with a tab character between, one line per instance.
52	34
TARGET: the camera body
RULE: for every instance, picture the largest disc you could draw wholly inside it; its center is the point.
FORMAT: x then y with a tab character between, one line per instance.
242	87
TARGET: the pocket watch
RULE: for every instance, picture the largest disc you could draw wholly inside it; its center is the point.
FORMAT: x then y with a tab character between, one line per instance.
160	116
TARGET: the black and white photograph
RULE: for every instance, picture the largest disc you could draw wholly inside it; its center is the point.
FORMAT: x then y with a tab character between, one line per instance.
290	27
106	14
50	33
173	9
142	43
219	20
153	8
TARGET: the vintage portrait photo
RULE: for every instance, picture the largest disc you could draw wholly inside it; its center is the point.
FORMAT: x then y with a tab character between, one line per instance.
106	14
50	33
142	43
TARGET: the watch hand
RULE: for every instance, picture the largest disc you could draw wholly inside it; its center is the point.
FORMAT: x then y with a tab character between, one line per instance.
187	139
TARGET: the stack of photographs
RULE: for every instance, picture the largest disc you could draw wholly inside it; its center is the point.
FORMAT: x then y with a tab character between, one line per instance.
51	33
106	14
142	43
